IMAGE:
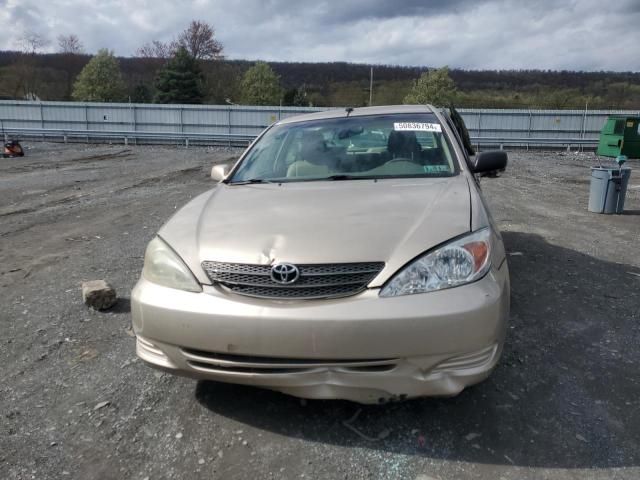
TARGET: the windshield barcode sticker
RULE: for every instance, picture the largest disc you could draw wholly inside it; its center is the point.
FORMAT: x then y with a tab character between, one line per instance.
417	127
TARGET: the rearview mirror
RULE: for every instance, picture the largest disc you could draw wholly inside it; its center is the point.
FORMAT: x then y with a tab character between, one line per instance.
490	163
350	132
219	172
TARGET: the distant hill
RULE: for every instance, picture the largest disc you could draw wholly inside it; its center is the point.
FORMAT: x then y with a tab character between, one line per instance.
51	76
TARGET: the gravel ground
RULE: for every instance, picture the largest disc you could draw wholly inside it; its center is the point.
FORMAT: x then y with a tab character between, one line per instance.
564	402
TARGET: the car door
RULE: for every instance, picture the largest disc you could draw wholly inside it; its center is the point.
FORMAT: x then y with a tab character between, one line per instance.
456	123
461	130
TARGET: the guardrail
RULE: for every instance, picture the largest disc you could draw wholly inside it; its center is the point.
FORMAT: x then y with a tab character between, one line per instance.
242	140
229	139
535	142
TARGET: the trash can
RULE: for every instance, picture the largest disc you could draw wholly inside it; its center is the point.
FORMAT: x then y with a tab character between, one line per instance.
608	189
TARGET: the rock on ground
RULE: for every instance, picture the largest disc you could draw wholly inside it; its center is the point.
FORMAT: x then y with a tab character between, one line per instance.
98	294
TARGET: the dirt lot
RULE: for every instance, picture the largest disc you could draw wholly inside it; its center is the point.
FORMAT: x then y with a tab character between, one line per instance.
564	402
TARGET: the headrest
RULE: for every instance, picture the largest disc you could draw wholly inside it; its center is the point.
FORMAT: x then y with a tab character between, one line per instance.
402	144
313	148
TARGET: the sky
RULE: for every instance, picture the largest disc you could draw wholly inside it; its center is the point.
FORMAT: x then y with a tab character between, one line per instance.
482	34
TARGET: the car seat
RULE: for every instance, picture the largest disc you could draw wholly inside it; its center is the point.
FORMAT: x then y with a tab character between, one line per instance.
403	145
313	157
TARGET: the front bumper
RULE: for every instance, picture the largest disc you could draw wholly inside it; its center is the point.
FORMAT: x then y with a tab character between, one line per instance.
362	348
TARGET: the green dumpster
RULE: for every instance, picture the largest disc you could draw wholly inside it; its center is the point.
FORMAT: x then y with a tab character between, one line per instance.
620	136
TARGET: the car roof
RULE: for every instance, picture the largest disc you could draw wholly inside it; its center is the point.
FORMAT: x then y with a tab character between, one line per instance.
358	112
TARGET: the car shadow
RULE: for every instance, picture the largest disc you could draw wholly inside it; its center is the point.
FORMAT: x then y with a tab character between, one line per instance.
565	394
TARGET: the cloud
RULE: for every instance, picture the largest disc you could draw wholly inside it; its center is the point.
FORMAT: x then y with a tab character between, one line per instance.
496	34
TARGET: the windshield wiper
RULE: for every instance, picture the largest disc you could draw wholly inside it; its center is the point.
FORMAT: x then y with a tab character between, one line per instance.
254	181
250	181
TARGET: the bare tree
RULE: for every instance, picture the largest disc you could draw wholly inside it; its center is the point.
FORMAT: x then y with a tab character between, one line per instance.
157	49
70	44
199	40
28	72
71	61
31	42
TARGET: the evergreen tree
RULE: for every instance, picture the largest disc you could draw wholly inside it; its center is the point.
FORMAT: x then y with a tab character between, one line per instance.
100	80
300	99
141	94
296	97
288	96
435	87
180	81
261	86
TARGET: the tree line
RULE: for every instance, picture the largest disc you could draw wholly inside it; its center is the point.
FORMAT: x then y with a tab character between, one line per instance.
191	68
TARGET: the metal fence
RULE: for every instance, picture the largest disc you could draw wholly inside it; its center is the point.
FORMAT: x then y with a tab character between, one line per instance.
238	124
537	128
210	124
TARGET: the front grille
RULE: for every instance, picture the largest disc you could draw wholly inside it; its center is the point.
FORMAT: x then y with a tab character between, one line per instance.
315	281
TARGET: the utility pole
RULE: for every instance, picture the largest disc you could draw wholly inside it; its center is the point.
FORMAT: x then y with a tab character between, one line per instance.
371	88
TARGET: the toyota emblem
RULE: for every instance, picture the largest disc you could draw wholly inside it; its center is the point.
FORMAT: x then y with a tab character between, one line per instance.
285	273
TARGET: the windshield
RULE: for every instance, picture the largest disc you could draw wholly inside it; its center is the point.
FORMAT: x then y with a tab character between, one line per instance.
384	146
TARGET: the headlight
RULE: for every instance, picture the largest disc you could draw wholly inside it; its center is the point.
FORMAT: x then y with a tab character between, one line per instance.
462	261
164	267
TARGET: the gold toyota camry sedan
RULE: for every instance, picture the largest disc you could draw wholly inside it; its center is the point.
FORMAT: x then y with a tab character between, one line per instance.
347	254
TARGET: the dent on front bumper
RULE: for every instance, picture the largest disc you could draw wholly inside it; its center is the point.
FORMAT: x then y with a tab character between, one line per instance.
361	348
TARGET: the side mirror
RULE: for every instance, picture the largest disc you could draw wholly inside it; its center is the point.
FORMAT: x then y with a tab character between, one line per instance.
490	163
219	172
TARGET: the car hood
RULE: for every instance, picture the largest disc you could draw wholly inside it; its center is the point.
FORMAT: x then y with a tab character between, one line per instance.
391	221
